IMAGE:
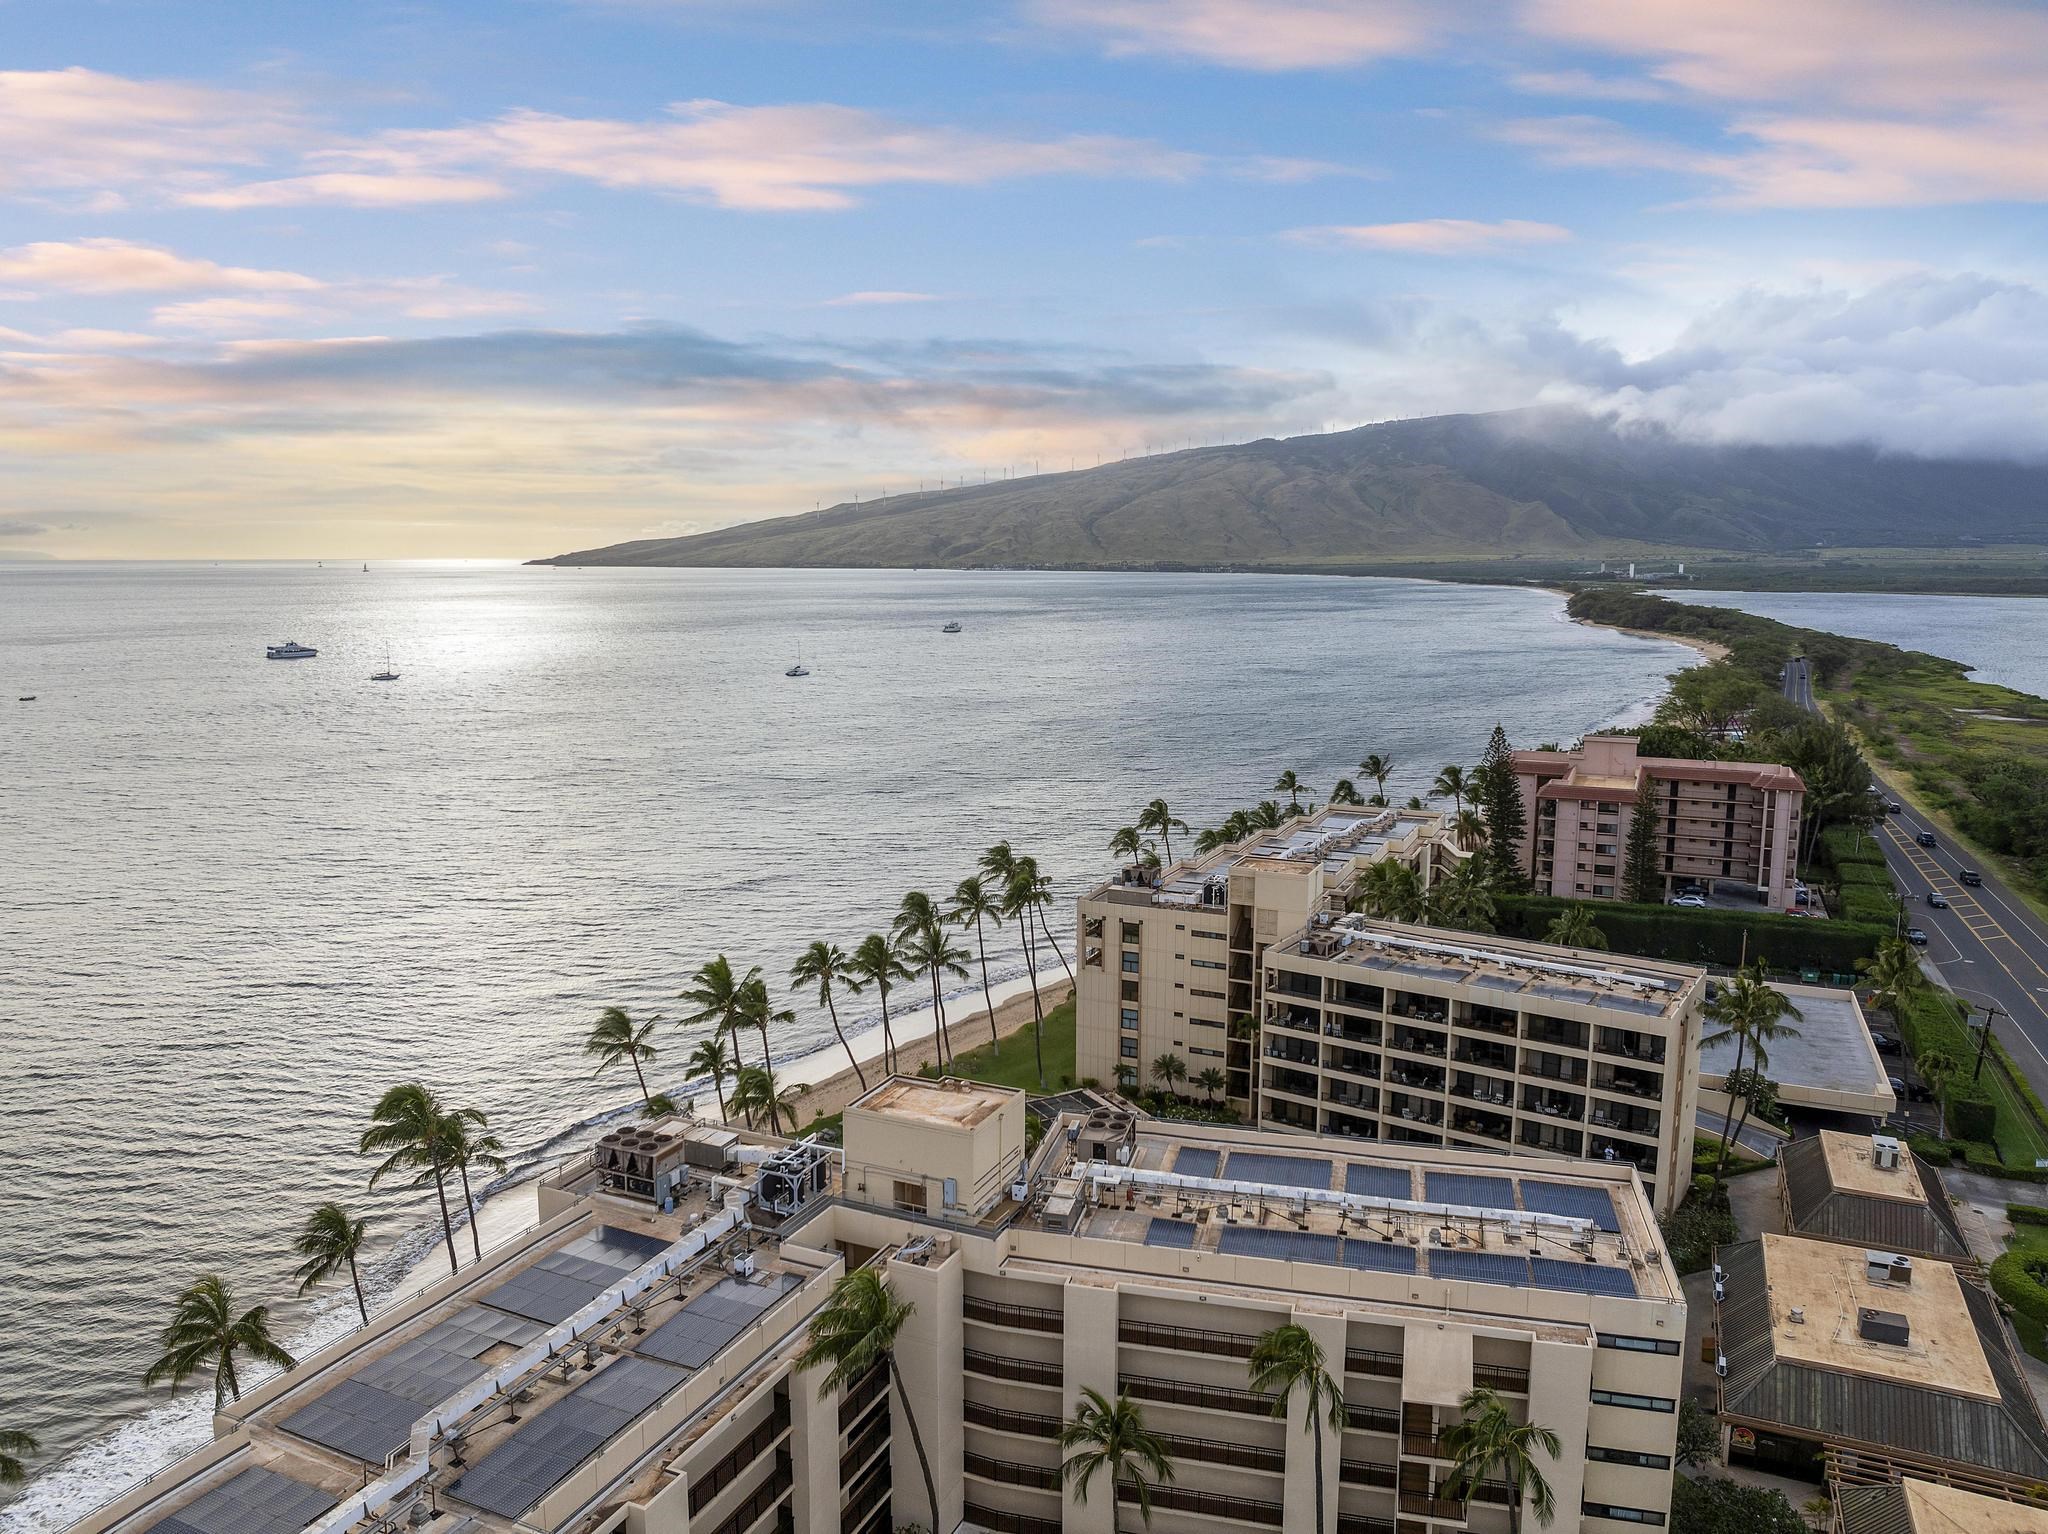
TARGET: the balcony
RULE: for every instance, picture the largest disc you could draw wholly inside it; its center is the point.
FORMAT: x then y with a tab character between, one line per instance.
1628	1121
1351	1031
1365	1472
1548	1067
1492	1057
1403	1134
1369	998
1186	1339
1238	1510
1288	983
1417	1041
1025	1424
1352	1128
1414	1110
1294	1051
1027	1318
1300	1019
1008	1472
1628	1083
1506	1378
1482	1089
1423	1446
1294	1083
1420	1504
1642	1157
1380	1365
1553	1105
1627	1045
1424	1078
1421	1009
1218	1451
1483	1019
1287	1115
1146	1387
1485	1126
1557	1032
1354	1523
1540	1136
1352	1062
1028	1371
1345	1095
1001	1522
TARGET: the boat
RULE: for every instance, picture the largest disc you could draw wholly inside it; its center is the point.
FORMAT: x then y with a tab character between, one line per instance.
951	628
799	669
26	698
291	649
366	569
387	674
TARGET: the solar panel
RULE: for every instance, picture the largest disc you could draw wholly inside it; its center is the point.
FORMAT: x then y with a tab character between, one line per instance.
1576	1203
1195	1161
370	1413
1286	1171
1281	1245
549	1445
1173	1233
693	1336
257	1501
1582	1277
1378	1181
1616	1002
563	1282
1468	1189
1379	1256
1480	1268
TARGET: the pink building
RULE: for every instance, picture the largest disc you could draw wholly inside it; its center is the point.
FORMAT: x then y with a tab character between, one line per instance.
1717	822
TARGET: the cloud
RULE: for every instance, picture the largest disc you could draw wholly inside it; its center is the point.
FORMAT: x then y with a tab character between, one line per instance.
348	189
879	296
224	314
1435	236
122	266
11	527
78	130
1588	87
1266	35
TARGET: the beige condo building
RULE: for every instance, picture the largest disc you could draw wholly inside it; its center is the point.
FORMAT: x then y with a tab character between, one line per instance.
627	1366
1170	962
1413	1036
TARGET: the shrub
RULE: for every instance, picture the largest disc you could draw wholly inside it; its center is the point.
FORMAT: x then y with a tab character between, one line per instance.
1784	943
1863	873
1842	846
1863	903
1972	1115
1692	1230
2016	1278
2027	1214
1929	1149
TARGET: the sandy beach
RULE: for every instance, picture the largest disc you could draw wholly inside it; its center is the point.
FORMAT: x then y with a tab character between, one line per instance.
1708	649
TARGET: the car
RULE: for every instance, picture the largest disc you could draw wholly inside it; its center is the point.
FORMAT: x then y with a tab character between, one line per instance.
1885	1043
1937	900
1690	902
1916	937
1925	838
1895	808
1802	897
1971	877
1916	1093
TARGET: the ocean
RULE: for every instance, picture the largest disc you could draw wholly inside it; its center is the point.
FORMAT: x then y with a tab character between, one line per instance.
243	896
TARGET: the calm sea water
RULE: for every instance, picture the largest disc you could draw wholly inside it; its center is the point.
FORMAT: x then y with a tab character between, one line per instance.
242	897
2005	638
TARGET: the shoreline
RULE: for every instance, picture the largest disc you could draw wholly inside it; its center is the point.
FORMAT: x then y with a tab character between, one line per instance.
1710	650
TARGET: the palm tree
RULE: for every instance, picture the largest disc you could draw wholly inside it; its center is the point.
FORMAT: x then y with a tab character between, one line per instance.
1129	845
825	965
408	1128
1017	898
1040	887
1938	1068
1293	788
15	1445
1171	1069
757	1012
1267	815
205	1332
1463	898
1573	928
1391	891
331	1240
876	963
711	1058
720	998
1748	1011
1489	1442
1212	1082
854	1331
616	1037
1111	1437
467	1149
1469	826
1894	974
972	905
659	1106
1452	784
1379	768
914	910
929	949
1414	801
1345	792
1288	1361
755	1090
1157	818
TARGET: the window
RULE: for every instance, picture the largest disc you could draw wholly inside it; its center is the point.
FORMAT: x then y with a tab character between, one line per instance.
1628	1457
1208	964
1663	1345
1130	964
1196	1049
1622	1398
1130	990
1642	1515
1129	1018
1211	995
1131	929
1206	1022
909	1195
1198	932
1128	1049
1601	889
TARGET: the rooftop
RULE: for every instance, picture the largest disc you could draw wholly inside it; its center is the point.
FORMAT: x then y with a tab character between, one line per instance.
1830	1063
1835	1191
1610	762
1333	839
1533	973
948	1103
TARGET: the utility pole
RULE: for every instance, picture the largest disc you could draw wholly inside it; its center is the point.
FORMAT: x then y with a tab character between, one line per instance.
1984	1039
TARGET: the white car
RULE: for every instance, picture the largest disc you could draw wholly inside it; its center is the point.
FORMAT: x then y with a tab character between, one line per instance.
1690	902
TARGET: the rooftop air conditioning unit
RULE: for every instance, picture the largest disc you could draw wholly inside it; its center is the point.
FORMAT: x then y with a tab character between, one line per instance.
1884	1152
1721	1364
1888	1268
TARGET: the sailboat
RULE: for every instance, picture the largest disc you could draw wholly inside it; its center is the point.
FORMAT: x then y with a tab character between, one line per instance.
799	669
387	674
366	569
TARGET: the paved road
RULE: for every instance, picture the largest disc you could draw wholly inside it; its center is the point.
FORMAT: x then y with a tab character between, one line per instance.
1988	945
1752	1137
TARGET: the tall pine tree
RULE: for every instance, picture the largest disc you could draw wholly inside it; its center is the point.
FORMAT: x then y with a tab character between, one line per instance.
1500	800
1641	876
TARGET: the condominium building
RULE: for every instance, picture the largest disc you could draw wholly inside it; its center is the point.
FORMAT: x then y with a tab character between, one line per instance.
1170	959
1717	822
629	1366
1407	1035
1860	1367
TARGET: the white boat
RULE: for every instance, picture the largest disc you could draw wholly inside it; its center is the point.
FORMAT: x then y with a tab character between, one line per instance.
291	649
387	674
799	669
951	628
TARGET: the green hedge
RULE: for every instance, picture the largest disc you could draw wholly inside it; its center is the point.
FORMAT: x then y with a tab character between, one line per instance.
2013	1283
1873	874
1972	1116
1784	943
1844	845
1929	1149
1860	903
2027	1214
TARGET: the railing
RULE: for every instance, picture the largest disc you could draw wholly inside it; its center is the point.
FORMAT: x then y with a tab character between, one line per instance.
1218	1451
1627	1086
1029	1318
1186	1339
870	1497
1502	1023
1008	1472
1416	1043
770	1492
1148	1387
1629	1047
1423	1505
1570	1072
1373	1361
1371	1419
741	1457
1501	1377
862	1449
1027	1370
1422	1446
870	1386
1209	1503
1365	1472
1486	1057
1279	1049
1485	1128
1030	1424
1555	1036
1352	1523
1566	1142
1001	1522
1629	1122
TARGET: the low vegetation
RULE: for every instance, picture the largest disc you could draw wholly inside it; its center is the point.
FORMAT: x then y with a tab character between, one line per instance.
1012	1061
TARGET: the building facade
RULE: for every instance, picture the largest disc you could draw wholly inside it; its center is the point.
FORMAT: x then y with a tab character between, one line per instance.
1169	963
1412	1036
1717	822
628	1367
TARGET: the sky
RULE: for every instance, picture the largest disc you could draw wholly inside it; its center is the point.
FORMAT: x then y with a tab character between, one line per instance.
381	280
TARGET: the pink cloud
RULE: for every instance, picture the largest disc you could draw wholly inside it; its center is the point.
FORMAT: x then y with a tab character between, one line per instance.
1435	236
879	296
1247	34
121	266
81	130
352	189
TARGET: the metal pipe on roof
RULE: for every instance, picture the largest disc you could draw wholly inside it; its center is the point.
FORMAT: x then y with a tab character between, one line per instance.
1498	956
1114	1176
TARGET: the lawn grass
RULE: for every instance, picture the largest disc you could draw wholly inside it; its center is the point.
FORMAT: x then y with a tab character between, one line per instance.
1012	1062
1706	1153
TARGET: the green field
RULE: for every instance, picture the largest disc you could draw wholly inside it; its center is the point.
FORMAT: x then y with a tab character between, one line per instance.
1013	1062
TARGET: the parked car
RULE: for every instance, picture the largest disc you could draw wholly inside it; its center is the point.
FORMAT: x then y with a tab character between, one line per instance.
1801	896
1885	1043
1925	838
1916	937
1970	876
1916	1093
1937	900
1690	902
